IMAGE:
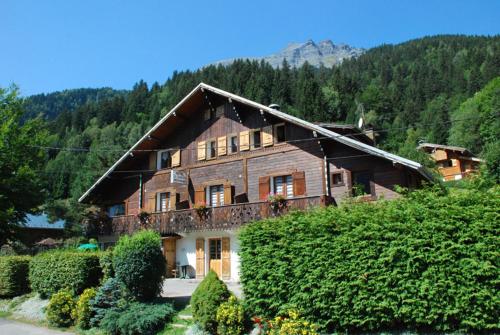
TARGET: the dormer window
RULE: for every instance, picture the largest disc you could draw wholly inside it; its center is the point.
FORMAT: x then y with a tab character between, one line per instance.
255	139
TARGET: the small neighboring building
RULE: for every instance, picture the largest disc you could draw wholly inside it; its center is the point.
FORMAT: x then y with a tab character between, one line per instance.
210	165
38	228
454	163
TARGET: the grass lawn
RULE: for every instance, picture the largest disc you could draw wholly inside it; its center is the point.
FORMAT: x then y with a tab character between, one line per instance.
180	323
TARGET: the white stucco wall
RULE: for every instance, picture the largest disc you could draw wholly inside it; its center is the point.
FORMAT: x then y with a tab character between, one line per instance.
186	250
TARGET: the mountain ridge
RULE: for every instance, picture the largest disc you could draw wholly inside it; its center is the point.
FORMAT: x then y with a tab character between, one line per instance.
324	53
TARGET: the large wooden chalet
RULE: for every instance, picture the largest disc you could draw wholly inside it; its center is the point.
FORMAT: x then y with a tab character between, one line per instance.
211	163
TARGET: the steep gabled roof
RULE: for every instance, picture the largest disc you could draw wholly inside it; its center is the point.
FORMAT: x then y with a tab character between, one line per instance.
445	147
289	118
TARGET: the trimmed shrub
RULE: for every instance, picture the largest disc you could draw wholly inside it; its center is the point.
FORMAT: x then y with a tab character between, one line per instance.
427	261
14	272
206	299
60	310
106	263
139	264
230	317
54	270
82	312
138	318
108	297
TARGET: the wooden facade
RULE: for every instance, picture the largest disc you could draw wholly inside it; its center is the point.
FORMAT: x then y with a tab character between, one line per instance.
453	163
233	154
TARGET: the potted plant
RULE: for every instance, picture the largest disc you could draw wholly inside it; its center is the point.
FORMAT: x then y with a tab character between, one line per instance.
277	202
202	210
144	219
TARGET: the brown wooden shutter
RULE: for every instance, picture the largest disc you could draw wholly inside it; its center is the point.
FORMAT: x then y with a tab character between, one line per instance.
267	136
228	196
200	258
226	258
221	146
199	195
299	183
201	150
264	187
244	140
152	160
176	158
150	205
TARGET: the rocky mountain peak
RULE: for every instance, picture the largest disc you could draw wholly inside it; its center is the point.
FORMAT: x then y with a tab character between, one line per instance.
323	53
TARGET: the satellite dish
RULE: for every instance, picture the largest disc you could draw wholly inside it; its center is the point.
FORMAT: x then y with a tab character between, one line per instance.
361	123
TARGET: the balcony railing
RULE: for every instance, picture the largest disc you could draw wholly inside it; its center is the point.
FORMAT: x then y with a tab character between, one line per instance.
211	218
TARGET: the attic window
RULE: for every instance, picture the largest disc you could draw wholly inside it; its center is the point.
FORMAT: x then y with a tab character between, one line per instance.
164	160
211	149
208	114
279	133
255	139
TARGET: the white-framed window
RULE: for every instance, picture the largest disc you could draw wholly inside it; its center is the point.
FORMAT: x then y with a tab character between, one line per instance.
255	139
164	159
116	210
211	148
215	195
163	202
282	185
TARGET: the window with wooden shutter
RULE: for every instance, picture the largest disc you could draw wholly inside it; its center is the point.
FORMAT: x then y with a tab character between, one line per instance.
267	136
201	150
200	258
221	146
279	133
164	160
299	183
215	196
176	158
264	187
282	185
199	196
244	140
226	258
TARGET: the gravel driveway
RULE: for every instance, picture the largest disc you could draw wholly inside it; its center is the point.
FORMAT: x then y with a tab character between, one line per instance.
9	327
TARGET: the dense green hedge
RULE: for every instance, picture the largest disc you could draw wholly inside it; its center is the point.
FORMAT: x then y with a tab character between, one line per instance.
427	261
56	270
14	275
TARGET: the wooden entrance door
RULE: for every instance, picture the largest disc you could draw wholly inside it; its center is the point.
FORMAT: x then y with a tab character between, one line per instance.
215	255
169	253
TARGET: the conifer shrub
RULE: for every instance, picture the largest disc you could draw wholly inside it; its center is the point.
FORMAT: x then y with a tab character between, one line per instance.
139	264
427	261
60	310
230	317
14	272
108	297
138	318
206	299
82	312
52	271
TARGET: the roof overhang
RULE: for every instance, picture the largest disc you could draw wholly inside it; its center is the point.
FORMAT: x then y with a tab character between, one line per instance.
289	118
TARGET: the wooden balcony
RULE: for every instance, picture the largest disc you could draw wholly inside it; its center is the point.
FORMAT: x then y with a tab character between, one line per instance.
211	218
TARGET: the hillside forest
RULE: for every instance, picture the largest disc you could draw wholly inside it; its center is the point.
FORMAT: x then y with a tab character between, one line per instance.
440	89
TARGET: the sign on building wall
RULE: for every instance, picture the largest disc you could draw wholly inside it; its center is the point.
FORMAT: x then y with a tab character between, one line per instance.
178	177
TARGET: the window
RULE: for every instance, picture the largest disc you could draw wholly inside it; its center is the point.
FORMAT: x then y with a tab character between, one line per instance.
337	179
255	139
116	210
446	163
232	144
164	160
215	195
208	114
282	185
279	133
211	149
163	201
361	182
215	247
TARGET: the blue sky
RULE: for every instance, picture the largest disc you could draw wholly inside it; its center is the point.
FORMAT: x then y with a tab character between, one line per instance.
54	45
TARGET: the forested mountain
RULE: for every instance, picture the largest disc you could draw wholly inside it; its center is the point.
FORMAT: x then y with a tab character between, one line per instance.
52	104
407	92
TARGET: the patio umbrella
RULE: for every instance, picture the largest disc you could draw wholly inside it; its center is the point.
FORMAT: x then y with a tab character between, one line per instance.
87	246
